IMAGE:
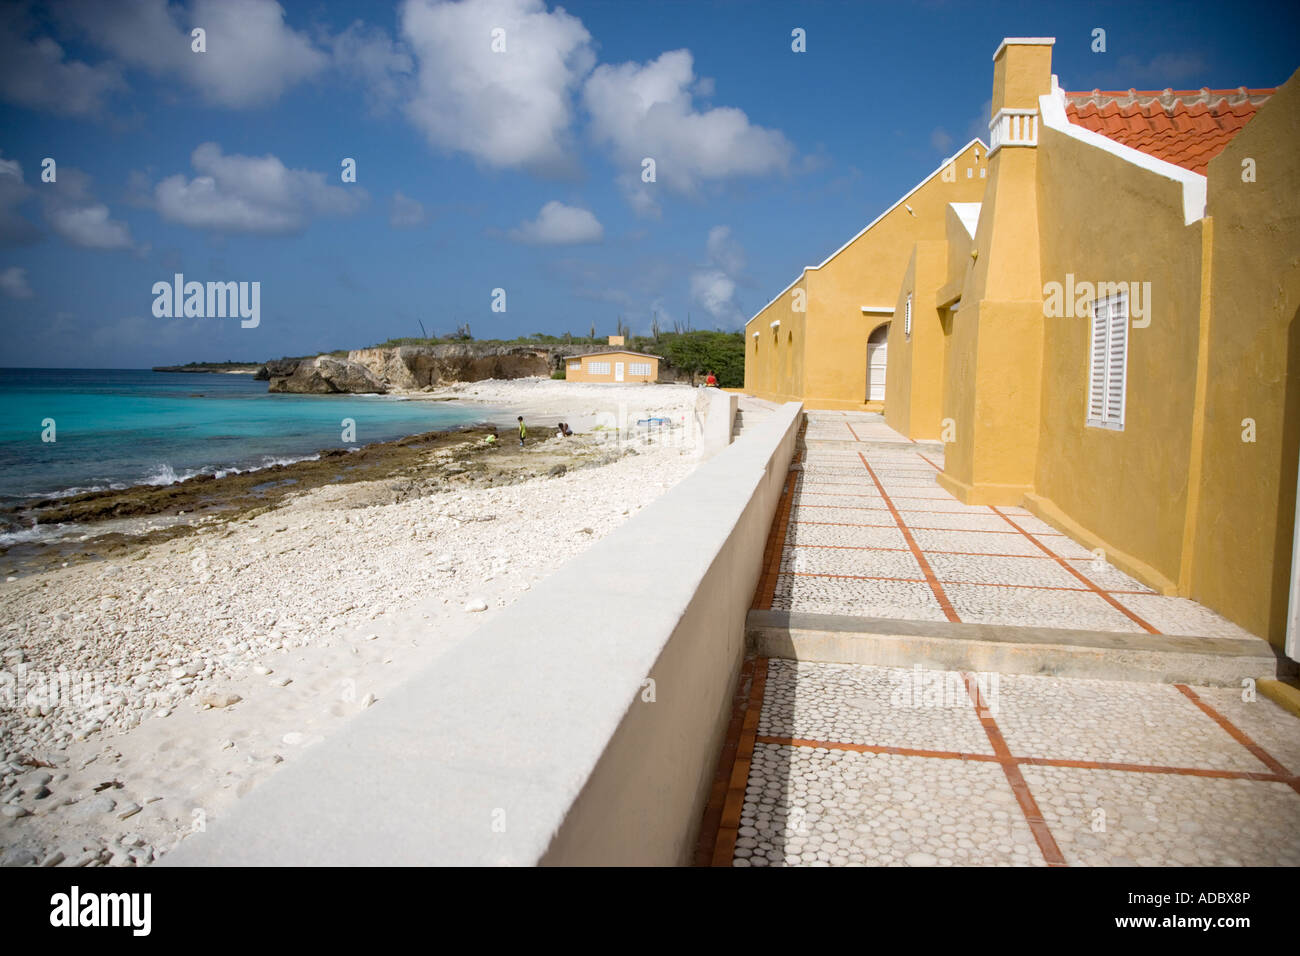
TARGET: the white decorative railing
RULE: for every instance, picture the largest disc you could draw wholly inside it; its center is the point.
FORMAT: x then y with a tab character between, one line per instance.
1013	128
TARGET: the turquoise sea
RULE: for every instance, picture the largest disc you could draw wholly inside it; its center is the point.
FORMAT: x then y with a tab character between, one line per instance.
120	427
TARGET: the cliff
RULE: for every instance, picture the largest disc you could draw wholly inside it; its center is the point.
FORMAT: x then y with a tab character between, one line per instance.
412	367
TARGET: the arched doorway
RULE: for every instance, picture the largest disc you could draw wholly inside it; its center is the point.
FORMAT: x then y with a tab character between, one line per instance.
876	363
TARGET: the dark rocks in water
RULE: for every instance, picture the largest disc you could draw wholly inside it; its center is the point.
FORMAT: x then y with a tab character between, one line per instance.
557	470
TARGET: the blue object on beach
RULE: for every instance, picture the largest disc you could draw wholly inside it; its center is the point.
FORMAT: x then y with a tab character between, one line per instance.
653	421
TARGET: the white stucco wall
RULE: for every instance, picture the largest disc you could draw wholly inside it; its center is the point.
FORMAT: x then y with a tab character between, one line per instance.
531	742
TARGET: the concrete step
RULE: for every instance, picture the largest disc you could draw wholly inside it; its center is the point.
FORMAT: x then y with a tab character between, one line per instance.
1100	655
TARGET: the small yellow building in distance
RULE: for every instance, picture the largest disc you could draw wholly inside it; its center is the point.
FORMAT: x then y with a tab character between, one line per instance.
617	366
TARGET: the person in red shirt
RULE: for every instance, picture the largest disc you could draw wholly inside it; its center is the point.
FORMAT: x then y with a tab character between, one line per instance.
711	381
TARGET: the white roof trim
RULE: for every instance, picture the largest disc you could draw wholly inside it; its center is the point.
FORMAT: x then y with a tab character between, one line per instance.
878	310
1052	107
901	201
1023	41
616	351
968	213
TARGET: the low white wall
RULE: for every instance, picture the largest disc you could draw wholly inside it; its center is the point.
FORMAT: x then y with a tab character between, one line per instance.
715	412
531	742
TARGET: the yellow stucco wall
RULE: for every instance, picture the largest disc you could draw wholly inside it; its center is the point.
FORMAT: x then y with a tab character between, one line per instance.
832	371
996	346
1243	527
774	361
1105	220
914	379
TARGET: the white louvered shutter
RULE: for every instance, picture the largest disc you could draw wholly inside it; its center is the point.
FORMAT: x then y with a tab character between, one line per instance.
1097	364
1108	362
1117	361
907	317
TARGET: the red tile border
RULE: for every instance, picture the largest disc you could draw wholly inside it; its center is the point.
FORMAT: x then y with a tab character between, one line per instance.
1062	562
712	820
1260	754
1033	816
856	524
1065	762
974	584
935	586
724	849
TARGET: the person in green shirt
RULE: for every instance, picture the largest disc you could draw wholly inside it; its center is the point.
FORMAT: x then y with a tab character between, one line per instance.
523	430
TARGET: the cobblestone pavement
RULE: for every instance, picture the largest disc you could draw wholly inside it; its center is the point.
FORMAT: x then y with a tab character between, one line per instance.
842	764
871	533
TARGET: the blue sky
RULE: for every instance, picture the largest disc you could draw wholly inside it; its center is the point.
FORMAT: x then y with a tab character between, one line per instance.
481	169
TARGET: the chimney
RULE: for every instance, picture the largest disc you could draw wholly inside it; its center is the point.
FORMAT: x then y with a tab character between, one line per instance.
1022	72
999	332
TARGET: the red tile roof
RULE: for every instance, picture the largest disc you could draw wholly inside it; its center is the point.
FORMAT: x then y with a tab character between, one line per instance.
1185	127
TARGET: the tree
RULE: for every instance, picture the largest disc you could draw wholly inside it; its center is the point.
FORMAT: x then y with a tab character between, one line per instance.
722	353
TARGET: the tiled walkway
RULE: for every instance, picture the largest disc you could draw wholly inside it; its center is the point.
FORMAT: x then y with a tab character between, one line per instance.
871	533
841	764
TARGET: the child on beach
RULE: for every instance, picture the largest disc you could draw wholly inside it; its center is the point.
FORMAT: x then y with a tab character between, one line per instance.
523	430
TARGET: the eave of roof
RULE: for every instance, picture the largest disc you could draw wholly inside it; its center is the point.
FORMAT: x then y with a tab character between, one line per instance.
1185	127
902	199
616	352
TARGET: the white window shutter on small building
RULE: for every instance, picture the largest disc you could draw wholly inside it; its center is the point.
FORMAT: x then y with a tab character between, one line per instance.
907	317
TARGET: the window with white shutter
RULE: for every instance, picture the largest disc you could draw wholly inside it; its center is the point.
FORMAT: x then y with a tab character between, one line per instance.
1108	362
907	317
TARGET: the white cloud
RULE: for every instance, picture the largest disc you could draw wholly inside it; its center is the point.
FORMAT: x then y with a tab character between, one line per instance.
508	109
13	282
714	285
78	218
90	226
940	140
35	74
406	213
648	110
383	66
558	224
14	228
253	194
716	291
724	251
252	55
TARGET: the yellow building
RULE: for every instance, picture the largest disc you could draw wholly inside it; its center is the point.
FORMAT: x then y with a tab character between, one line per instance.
825	338
614	366
1116	347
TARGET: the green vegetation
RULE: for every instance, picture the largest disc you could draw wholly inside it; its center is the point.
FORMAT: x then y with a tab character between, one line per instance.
722	353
